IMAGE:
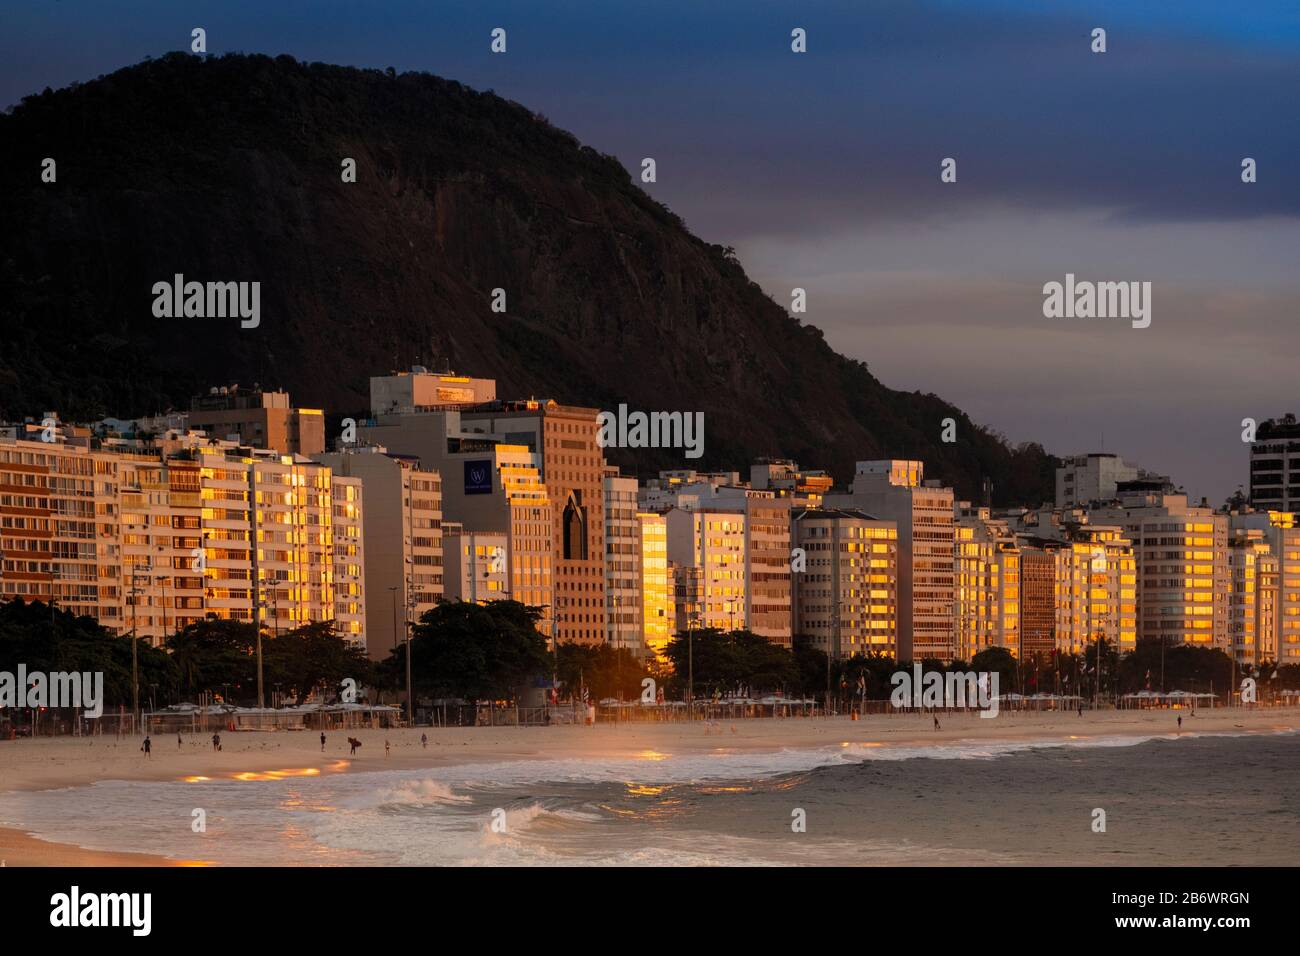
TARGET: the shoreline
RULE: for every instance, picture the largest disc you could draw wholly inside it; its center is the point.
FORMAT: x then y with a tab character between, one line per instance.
55	763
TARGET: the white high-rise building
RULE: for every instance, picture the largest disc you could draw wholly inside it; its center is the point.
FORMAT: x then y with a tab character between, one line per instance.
1087	479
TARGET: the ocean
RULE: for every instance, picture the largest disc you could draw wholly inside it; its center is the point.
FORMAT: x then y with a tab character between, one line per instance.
1194	800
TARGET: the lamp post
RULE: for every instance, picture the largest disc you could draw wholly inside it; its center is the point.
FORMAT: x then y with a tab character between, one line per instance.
135	593
161	548
690	662
1096	690
261	607
393	591
410	699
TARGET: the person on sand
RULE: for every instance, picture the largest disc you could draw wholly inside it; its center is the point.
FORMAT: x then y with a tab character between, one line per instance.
147	747
216	742
936	722
178	741
386	748
354	743
424	741
322	741
1180	721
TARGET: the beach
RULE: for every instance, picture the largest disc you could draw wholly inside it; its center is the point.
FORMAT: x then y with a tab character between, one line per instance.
56	764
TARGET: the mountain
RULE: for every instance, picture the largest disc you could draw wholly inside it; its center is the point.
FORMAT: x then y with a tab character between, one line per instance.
228	169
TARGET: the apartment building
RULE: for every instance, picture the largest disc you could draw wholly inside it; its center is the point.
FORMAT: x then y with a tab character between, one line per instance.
268	536
1096	589
259	419
1038	596
420	389
666	492
896	490
1082	480
1181	554
1253	606
489	486
402	517
987	583
624	601
768	594
475	564
658	619
560	445
1282	533
766	589
846	594
712	542
151	542
349	557
805	487
1275	465
688	596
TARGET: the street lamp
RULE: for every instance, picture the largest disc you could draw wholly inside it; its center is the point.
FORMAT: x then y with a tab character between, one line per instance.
410	607
691	622
135	593
393	589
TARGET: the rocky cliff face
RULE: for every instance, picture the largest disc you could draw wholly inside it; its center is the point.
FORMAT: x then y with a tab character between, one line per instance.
228	169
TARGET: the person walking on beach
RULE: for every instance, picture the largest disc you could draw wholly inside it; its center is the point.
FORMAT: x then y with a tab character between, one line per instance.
936	722
147	747
386	748
354	743
424	741
1180	721
322	741
178	741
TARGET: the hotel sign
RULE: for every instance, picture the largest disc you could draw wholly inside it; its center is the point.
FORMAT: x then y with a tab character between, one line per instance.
478	477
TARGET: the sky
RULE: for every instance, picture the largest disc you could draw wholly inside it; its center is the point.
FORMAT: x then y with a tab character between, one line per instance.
822	170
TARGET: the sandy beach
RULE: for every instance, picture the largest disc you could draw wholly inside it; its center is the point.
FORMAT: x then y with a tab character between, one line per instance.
49	763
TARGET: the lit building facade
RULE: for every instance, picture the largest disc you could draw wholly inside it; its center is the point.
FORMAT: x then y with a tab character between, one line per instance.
713	542
624	602
987	583
658	620
895	490
402	514
846	594
1181	555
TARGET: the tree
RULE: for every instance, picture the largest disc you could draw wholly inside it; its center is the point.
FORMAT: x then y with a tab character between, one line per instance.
474	651
311	656
606	671
997	660
730	662
47	639
215	654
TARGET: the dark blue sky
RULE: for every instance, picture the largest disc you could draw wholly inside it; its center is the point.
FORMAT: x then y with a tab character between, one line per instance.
822	170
